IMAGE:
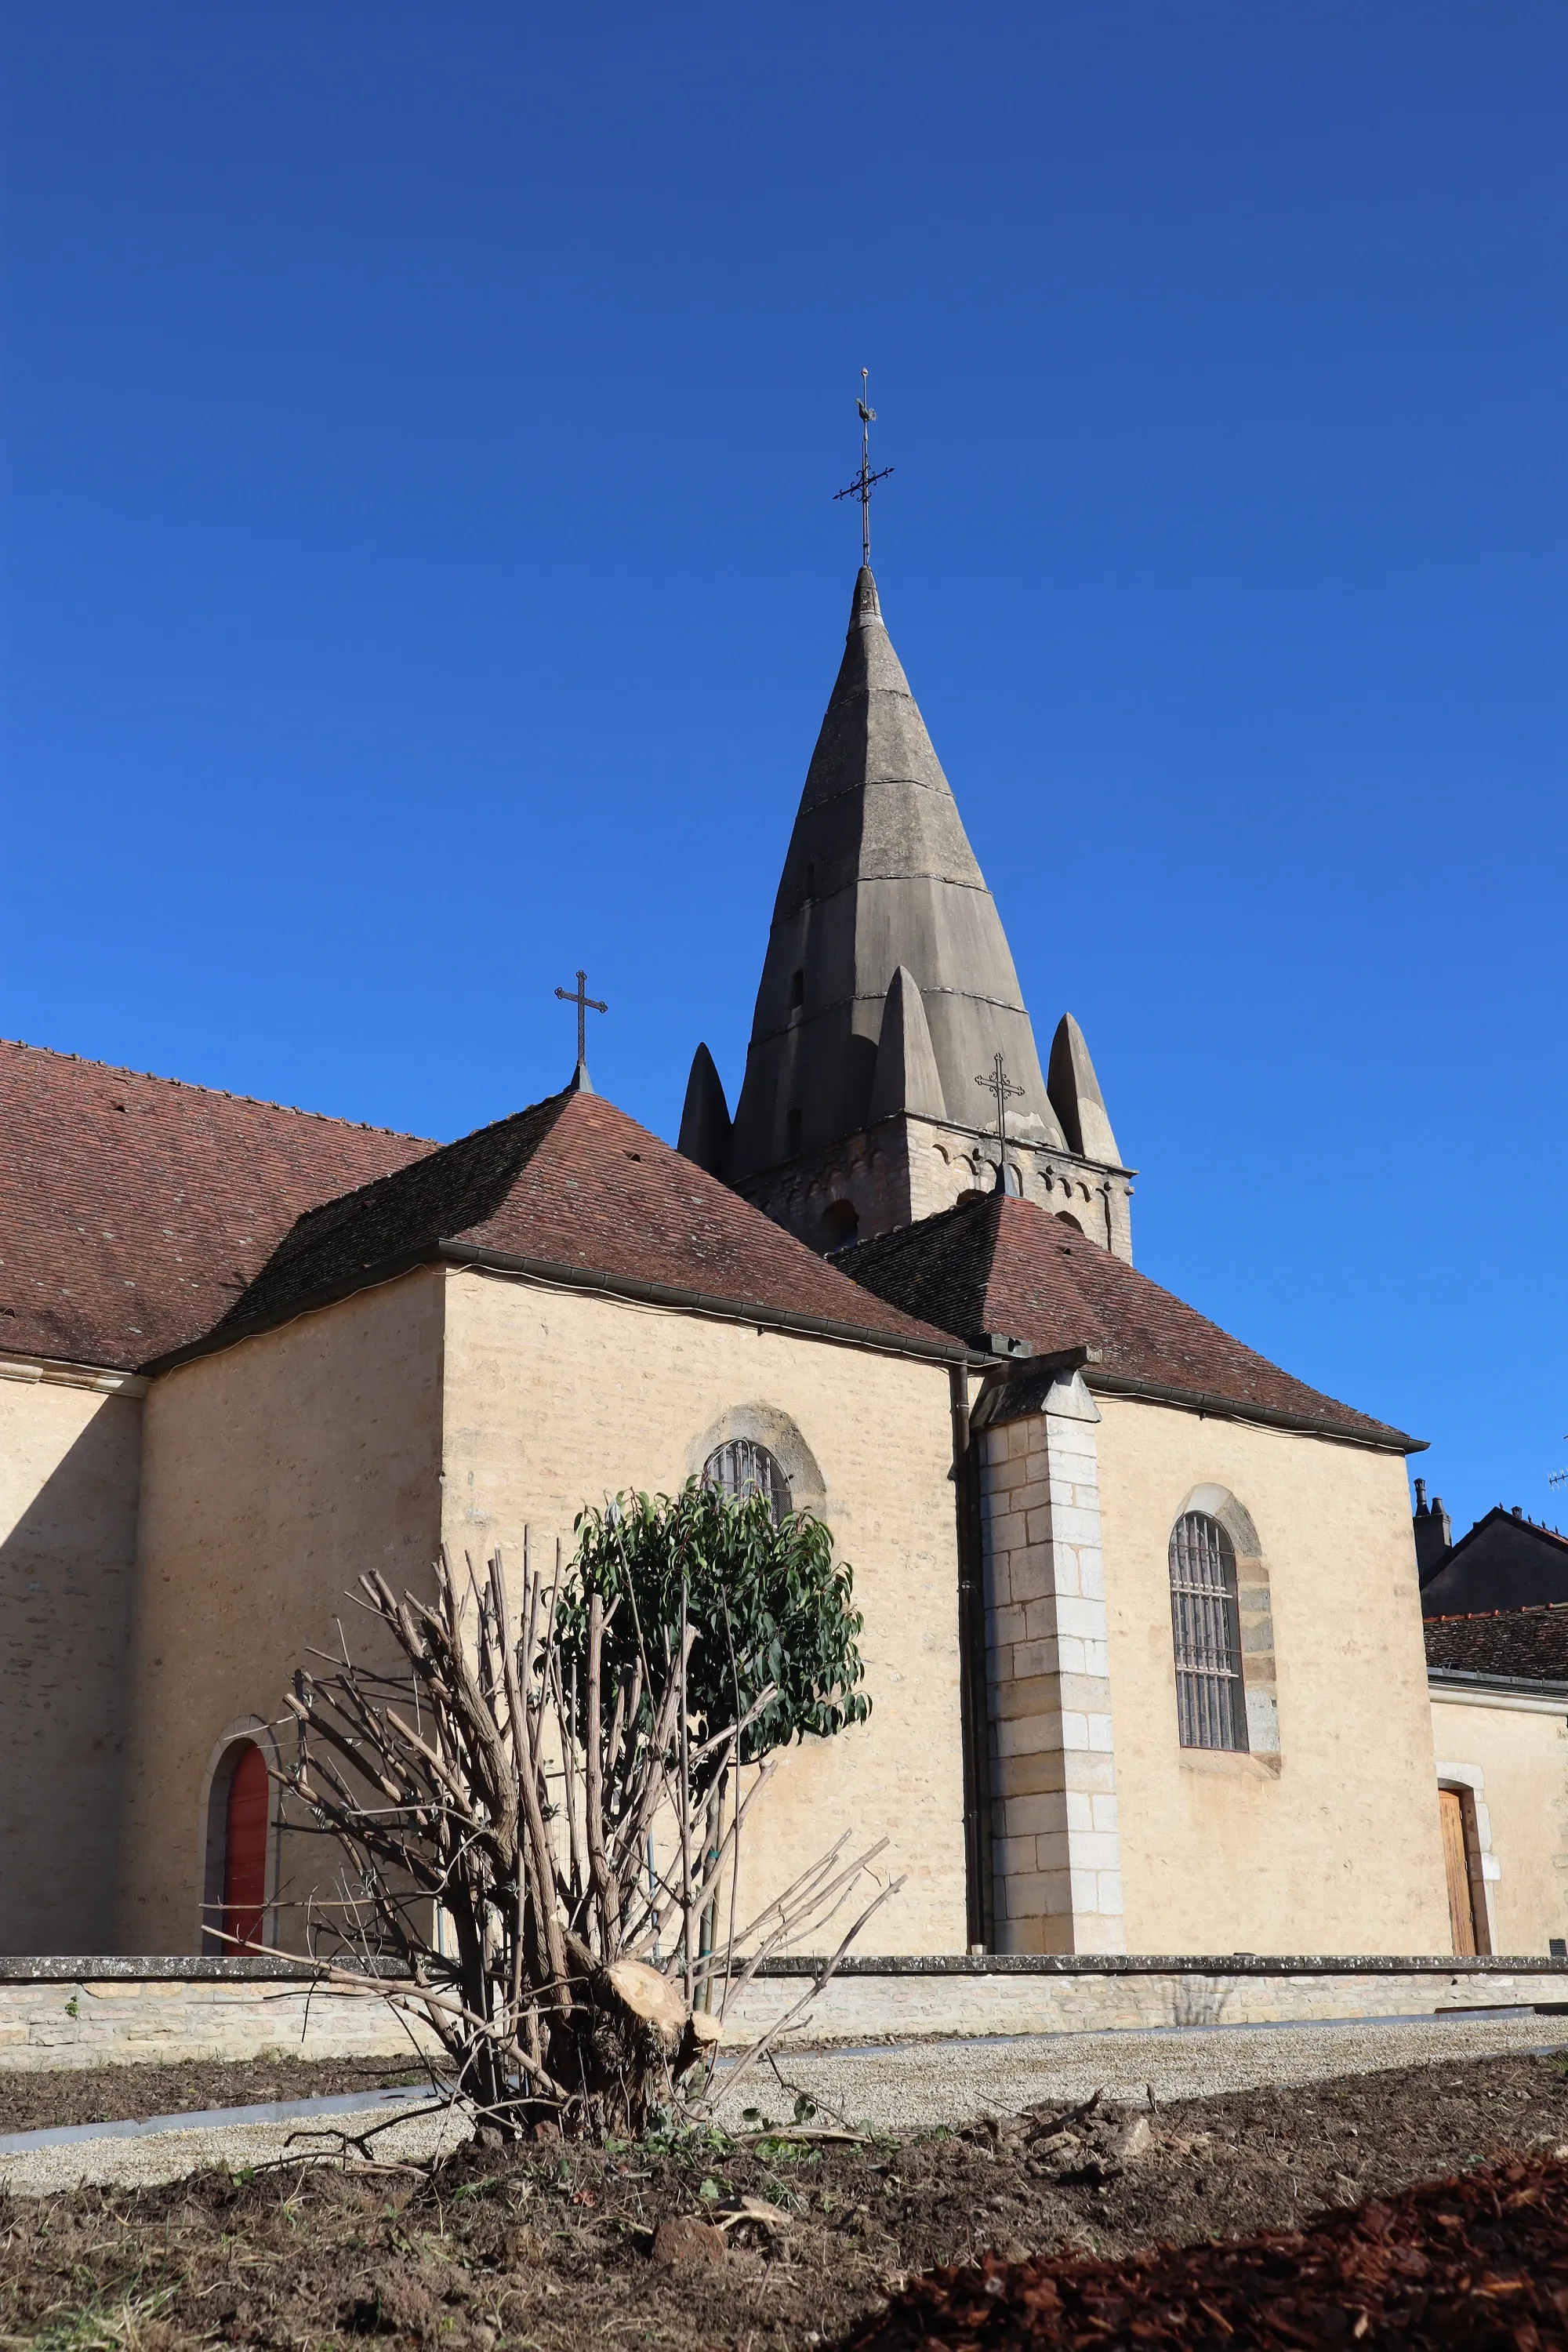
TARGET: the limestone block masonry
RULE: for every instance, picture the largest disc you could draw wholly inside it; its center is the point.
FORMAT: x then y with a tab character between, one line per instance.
87	2012
1055	1843
908	1167
70	1440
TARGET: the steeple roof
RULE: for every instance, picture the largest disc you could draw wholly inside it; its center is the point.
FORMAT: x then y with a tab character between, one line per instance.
878	875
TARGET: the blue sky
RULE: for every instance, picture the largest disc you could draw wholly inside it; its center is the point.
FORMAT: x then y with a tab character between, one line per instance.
419	576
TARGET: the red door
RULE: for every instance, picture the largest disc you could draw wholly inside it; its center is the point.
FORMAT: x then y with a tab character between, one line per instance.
245	1852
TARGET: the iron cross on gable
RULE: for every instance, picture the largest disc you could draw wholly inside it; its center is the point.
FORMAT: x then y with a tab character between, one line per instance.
586	1004
1000	1086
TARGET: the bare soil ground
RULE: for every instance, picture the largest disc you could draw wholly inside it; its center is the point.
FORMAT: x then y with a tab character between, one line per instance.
544	2247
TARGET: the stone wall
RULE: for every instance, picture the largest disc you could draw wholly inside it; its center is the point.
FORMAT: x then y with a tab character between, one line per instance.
554	1398
69	1463
274	1473
459	1406
909	1167
95	2013
1056	1842
1330	1840
92	2019
1510	1751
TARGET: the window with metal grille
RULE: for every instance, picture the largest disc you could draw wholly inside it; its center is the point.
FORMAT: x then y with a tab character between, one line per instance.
743	1469
1204	1624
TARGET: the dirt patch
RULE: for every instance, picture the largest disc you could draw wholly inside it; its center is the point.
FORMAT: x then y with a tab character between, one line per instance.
111	2094
557	2248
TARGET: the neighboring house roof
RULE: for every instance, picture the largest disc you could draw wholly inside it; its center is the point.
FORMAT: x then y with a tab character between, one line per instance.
134	1210
571	1190
998	1265
1505	1562
1507	1645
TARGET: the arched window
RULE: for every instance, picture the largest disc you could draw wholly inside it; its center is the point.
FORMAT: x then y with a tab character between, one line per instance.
1211	1710
744	1467
244	1795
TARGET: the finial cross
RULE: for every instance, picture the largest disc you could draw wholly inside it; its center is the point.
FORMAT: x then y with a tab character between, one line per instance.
862	487
1000	1086
586	1004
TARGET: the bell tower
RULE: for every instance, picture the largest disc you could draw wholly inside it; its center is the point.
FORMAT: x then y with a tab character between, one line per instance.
893	1067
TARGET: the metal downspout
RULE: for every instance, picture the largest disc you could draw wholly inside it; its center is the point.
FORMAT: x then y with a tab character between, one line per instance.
974	1707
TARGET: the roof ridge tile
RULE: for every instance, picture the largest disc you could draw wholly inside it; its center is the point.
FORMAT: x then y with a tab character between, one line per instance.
221	1094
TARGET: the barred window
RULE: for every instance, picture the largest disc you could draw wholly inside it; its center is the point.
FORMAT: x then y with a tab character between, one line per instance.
1204	1624
743	1469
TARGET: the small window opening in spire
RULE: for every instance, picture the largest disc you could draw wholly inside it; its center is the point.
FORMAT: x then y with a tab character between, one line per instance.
797	991
811	881
792	1133
840	1224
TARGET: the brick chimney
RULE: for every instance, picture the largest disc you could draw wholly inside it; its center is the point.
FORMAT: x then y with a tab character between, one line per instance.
1433	1535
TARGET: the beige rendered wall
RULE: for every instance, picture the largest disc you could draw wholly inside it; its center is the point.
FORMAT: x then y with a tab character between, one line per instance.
69	1460
555	1398
273	1475
1514	1761
1332	1845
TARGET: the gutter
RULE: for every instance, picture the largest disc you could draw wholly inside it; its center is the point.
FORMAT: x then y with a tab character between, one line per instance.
973	1680
1024	1371
1222	1408
59	1372
1534	1693
595	1280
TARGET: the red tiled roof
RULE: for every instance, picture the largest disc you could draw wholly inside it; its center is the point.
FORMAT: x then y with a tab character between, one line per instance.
571	1183
1521	1644
134	1210
1005	1266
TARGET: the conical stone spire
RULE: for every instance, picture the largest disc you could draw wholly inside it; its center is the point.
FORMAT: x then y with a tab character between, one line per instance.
880	874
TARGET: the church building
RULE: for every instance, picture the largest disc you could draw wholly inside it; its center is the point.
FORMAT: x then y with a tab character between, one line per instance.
1142	1625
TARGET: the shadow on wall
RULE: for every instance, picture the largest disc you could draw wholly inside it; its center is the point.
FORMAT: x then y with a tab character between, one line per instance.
1200	2001
66	1567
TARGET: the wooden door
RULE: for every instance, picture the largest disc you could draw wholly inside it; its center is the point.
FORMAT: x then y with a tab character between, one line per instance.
1457	1862
244	1854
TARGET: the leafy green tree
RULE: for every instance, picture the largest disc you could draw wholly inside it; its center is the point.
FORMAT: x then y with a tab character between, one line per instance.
769	1603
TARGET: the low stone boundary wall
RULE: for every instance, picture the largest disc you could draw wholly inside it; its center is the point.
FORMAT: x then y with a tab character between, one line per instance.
871	1999
72	2011
105	2012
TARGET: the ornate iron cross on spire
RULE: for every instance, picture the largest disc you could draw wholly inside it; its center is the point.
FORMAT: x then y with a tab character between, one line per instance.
586	1004
862	487
1002	1091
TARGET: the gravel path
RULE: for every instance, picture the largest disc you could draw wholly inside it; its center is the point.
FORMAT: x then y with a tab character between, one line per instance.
154	2157
920	2083
899	2087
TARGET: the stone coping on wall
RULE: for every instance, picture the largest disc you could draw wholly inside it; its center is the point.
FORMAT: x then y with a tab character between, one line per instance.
180	1967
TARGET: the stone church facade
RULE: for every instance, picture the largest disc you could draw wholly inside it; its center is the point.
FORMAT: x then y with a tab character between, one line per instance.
1141	1618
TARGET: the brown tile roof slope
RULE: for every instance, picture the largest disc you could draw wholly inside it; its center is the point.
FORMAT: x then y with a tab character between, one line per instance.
570	1182
1005	1266
134	1209
1527	1644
